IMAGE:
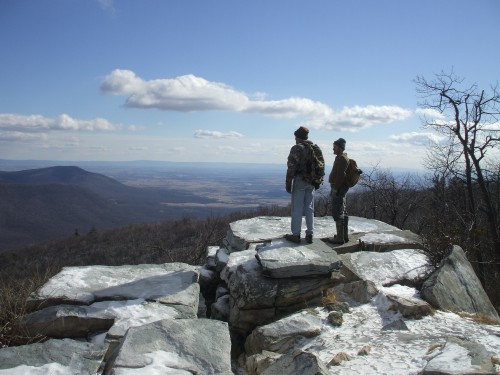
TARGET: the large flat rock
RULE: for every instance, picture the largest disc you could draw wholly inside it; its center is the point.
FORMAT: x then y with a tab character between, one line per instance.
169	283
284	259
242	233
63	357
115	317
408	266
185	346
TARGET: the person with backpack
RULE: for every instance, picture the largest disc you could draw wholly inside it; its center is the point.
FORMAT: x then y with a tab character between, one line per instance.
339	188
303	176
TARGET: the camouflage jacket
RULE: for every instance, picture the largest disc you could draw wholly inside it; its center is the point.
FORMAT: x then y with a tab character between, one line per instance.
297	160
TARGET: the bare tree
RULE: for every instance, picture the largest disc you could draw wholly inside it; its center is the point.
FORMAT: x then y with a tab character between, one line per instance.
392	199
468	118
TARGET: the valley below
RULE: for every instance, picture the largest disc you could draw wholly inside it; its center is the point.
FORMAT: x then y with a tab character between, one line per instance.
52	199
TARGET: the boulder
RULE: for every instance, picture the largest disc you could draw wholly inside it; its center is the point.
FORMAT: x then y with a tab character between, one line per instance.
397	325
221	259
460	357
454	286
195	346
409	307
299	362
361	291
283	259
64	356
220	309
257	363
283	334
210	257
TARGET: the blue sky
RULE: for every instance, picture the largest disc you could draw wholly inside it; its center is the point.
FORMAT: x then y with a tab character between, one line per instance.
230	81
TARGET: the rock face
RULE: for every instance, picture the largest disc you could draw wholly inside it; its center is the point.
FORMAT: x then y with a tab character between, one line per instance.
64	356
191	346
455	286
275	306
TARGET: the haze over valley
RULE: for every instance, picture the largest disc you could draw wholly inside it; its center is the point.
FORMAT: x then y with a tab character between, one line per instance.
51	200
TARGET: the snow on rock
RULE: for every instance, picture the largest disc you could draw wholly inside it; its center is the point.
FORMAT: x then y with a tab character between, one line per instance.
389	329
169	283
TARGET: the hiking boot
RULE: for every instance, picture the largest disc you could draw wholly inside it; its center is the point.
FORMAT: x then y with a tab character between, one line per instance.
338	239
309	238
346	228
292	238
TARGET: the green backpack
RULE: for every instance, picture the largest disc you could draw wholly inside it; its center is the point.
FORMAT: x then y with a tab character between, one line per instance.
315	165
352	173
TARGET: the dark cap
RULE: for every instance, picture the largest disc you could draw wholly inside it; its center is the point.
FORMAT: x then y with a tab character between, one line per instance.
302	133
340	142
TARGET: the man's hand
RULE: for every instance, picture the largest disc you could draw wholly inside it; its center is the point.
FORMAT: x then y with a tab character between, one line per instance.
288	187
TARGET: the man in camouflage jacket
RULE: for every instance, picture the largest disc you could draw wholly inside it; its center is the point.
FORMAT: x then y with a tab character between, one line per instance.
299	184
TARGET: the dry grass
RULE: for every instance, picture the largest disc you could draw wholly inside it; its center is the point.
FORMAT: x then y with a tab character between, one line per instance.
330	296
13	297
478	318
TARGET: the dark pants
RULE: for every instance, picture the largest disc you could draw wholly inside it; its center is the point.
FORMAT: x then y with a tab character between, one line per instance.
339	203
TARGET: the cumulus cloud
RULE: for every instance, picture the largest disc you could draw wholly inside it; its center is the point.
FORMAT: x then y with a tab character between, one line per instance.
186	93
493	127
418	139
190	93
38	123
357	118
216	134
430	113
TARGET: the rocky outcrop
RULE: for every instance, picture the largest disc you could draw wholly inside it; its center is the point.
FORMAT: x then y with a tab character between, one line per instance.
276	306
454	286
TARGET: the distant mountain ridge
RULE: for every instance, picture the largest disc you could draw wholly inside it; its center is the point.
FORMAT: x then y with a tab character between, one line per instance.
67	175
54	202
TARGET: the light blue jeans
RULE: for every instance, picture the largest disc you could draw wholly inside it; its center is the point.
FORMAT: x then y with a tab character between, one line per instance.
302	204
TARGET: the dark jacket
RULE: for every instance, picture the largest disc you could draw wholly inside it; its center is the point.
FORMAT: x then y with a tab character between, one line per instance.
337	175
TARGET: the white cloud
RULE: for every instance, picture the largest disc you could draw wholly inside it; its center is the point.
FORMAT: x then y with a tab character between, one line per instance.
357	118
291	108
494	127
416	138
216	134
38	123
135	128
430	113
174	150
16	136
190	93
186	93
107	5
